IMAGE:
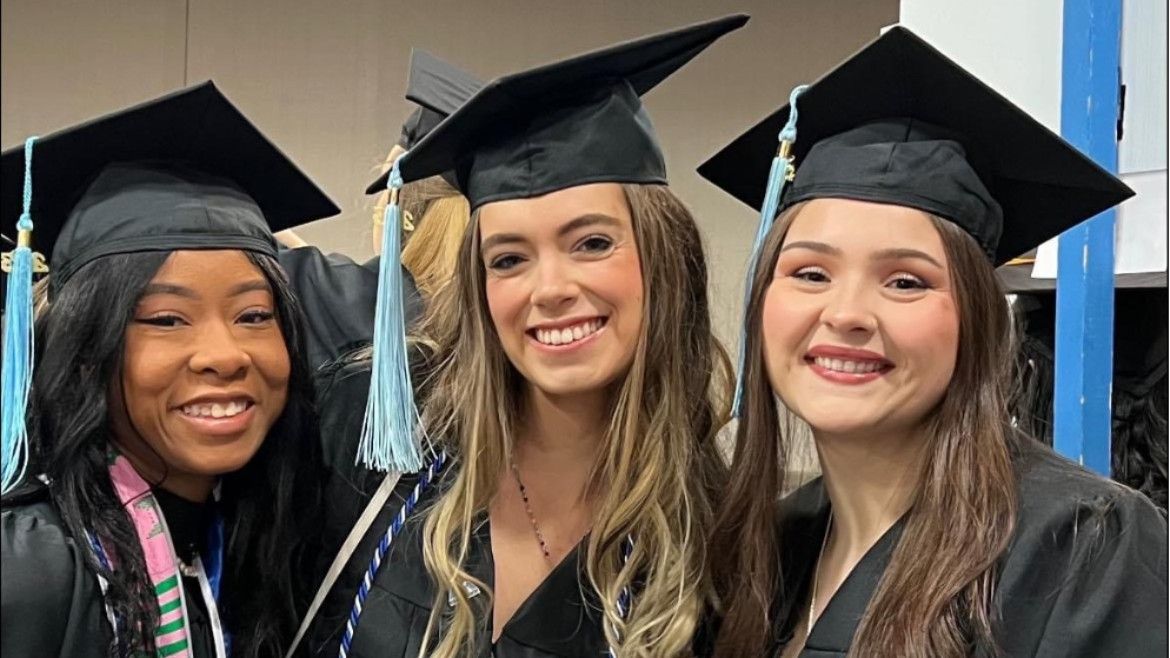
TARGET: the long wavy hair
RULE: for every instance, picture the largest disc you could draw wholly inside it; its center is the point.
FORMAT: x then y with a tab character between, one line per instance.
658	469
962	514
270	506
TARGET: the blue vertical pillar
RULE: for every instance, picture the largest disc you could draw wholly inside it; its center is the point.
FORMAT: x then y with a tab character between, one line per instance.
1089	111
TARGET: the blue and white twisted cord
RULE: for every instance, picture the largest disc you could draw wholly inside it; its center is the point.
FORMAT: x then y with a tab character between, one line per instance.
383	547
626	597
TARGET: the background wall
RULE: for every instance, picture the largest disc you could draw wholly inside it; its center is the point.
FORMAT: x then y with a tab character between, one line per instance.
324	80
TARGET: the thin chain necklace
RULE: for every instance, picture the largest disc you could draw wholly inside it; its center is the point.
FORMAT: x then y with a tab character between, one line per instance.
531	516
812	604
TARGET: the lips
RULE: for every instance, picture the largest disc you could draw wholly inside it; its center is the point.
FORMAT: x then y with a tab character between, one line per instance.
224	409
566	335
845	365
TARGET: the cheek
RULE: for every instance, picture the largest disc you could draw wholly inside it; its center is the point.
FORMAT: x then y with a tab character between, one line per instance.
148	369
506	300
783	323
930	332
619	280
270	356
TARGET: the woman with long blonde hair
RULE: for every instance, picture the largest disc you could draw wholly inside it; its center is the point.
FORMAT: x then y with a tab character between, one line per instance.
574	392
876	320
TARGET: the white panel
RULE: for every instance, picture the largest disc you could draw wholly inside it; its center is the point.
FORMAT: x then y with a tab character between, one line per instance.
1012	45
1140	233
1143	71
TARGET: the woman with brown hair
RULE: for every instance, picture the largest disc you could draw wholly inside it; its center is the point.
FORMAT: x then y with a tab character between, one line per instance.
876	319
573	392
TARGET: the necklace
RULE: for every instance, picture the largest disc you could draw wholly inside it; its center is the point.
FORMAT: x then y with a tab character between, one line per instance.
531	516
812	604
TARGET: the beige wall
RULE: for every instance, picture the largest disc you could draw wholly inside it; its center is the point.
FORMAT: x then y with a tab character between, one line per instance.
325	79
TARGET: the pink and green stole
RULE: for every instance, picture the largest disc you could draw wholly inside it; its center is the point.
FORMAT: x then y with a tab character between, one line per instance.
172	637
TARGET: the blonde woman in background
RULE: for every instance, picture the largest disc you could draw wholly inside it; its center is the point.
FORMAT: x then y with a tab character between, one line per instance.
339	294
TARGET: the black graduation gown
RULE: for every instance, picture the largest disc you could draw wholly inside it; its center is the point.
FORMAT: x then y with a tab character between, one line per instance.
51	603
556	620
339	296
1084	575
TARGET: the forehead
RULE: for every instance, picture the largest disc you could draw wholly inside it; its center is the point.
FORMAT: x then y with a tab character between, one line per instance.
863	226
555	208
199	268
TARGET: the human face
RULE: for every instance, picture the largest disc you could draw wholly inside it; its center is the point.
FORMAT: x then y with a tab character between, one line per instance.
860	324
564	286
205	371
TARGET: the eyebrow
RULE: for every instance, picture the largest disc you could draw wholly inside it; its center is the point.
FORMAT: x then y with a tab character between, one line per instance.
819	247
590	219
885	254
183	291
900	253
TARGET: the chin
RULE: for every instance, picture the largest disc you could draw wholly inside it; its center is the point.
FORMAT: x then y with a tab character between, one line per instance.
223	460
569	383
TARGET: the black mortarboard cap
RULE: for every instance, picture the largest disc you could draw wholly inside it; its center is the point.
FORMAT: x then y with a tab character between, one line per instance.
438	88
185	171
569	123
899	122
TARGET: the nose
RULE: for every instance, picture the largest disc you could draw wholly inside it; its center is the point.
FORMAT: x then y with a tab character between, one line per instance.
555	287
218	352
848	310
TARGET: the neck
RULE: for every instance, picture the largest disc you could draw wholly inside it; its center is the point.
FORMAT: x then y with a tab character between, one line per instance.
560	436
870	481
190	486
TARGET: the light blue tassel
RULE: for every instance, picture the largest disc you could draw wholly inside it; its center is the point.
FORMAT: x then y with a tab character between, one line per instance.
388	440
778	176
16	379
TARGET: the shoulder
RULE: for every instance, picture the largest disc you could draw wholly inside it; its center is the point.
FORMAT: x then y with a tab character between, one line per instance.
35	542
1075	528
1087	564
44	572
1059	497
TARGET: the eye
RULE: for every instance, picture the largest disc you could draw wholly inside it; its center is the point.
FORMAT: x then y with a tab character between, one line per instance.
257	316
811	274
505	262
161	321
595	244
907	282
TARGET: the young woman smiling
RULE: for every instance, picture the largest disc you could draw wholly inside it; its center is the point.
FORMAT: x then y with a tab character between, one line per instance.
173	478
876	319
575	395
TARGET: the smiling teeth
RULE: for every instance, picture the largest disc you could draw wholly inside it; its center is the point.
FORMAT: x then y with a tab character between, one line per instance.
216	410
850	367
568	334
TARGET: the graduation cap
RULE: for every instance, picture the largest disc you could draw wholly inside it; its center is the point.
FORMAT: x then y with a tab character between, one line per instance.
572	122
438	88
568	123
900	123
183	172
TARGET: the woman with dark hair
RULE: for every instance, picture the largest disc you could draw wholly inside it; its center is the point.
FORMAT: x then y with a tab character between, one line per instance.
875	319
171	488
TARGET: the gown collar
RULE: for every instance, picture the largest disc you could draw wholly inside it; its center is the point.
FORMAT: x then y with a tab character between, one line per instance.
804	516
